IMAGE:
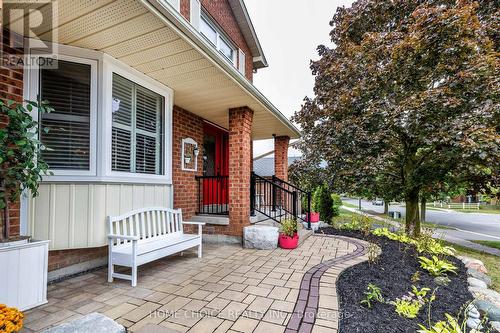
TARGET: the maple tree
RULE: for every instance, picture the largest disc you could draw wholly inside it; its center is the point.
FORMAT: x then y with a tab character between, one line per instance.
407	97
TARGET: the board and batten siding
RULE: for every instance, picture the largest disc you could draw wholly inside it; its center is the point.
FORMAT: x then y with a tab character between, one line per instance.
74	215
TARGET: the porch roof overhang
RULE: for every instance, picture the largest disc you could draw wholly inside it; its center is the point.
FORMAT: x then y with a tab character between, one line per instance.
153	38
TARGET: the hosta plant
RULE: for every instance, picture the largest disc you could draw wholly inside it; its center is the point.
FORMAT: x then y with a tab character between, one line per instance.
436	266
409	305
407	308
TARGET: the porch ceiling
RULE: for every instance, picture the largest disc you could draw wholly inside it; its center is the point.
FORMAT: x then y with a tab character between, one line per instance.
138	33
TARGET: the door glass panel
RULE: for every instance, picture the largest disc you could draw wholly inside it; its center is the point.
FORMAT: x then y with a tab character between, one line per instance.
209	155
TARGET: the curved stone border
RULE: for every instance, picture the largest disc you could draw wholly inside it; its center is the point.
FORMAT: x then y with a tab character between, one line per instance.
305	310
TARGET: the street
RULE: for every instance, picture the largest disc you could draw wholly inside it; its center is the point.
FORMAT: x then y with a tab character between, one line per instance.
469	226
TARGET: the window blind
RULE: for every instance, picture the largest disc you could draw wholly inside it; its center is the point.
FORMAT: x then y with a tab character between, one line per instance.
137	128
68	90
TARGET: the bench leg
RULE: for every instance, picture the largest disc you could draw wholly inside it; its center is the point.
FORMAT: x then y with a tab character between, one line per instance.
134	276
111	268
199	250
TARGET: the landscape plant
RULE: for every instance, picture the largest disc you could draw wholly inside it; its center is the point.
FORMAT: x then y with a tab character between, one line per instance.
323	203
21	163
409	305
436	266
409	96
372	294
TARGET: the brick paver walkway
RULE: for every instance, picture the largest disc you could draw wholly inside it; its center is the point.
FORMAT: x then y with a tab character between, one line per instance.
230	290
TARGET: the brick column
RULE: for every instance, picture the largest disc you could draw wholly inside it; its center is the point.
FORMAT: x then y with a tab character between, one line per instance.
281	156
11	87
240	139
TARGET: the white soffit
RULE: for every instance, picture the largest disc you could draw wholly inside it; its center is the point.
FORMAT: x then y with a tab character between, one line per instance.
143	39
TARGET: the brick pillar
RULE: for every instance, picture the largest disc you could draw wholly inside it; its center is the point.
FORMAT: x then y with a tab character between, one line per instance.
240	139
281	156
11	87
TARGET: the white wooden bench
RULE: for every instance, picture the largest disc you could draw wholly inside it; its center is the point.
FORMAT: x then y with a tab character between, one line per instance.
144	235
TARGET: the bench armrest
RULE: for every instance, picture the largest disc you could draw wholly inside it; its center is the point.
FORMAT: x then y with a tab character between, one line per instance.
132	238
199	223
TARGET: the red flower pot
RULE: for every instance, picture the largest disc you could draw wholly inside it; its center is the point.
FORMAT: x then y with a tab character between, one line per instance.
287	242
312	217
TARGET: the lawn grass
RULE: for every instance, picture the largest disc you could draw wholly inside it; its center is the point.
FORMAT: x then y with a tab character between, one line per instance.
345	212
493	244
347	204
482	211
489	260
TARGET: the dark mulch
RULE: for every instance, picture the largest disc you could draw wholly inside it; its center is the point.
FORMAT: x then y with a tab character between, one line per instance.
392	273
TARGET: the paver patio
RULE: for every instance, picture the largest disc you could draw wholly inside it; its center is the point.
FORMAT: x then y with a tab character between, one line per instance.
229	289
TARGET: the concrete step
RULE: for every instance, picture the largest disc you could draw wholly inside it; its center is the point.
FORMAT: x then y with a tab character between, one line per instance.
211	219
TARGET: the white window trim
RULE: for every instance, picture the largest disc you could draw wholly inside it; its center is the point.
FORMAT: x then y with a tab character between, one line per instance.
34	84
220	35
177	5
103	67
113	66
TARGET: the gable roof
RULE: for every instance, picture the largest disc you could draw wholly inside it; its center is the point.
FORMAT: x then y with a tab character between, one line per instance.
264	167
243	18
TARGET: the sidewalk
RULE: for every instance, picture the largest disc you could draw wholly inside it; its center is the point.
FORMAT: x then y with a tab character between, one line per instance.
449	235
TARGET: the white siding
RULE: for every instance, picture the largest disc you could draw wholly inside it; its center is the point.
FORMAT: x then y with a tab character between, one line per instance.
74	215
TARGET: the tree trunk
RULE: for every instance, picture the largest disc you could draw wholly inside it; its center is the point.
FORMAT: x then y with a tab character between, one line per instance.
423	208
4	218
386	207
412	215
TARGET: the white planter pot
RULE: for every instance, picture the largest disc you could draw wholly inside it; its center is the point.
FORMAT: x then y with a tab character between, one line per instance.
23	273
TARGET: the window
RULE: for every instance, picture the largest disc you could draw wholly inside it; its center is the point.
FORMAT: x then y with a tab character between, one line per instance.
137	130
68	90
215	37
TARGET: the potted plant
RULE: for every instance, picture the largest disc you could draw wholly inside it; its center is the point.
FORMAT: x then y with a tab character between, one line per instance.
23	261
288	236
314	215
11	319
187	158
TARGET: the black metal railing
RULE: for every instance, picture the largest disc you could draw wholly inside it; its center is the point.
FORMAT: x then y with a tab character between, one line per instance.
213	195
278	199
303	197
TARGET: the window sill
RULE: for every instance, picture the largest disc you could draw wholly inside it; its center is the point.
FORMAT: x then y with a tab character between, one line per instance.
135	179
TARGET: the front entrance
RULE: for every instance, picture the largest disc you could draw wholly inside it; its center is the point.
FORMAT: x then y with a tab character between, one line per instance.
215	171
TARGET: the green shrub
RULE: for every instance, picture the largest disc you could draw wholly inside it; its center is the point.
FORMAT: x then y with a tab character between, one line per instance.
323	203
288	227
407	308
336	203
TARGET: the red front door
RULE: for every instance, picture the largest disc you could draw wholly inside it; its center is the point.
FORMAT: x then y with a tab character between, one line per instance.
215	165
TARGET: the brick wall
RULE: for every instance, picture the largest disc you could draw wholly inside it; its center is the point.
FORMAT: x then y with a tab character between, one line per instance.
64	258
11	87
185	9
240	142
281	156
186	125
221	11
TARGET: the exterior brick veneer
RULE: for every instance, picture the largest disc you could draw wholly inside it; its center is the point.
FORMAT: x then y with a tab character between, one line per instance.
281	156
240	141
185	125
64	258
221	11
11	87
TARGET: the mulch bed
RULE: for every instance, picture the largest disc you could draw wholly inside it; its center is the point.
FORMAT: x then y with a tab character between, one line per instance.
392	273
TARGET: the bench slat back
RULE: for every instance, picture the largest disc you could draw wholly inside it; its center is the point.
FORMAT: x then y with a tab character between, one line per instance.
146	223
